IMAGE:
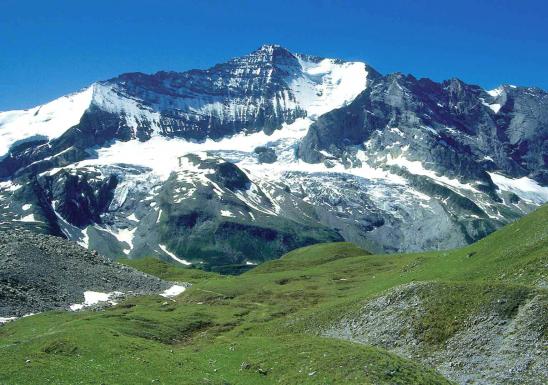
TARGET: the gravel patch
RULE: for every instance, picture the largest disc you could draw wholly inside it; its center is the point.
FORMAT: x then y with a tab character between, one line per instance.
41	272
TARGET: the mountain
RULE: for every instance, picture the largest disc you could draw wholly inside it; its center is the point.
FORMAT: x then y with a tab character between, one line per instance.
327	313
227	167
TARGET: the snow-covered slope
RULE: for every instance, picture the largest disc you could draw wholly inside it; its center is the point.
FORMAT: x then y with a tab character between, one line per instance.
274	150
48	121
327	84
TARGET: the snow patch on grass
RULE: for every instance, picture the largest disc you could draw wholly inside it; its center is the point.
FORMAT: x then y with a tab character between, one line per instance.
173	291
94	297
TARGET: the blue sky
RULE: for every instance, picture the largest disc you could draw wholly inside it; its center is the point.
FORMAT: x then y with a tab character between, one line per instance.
50	48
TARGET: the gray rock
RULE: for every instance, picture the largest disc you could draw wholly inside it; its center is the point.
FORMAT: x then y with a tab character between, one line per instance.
42	272
265	154
491	348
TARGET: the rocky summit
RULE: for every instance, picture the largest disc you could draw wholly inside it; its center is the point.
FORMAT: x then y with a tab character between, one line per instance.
230	166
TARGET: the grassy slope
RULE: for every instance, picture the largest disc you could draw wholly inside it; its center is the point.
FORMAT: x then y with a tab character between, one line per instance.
259	327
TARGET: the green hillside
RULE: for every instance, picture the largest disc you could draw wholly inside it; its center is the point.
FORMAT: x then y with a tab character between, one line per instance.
275	323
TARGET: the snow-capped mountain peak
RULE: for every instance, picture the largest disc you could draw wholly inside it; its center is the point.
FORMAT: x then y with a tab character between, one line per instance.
273	148
259	91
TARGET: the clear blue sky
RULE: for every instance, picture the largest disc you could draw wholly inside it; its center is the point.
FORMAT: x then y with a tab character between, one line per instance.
50	48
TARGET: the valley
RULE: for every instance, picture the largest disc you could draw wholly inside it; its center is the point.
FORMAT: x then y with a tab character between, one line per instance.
328	313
